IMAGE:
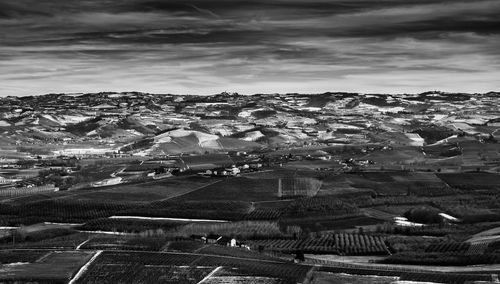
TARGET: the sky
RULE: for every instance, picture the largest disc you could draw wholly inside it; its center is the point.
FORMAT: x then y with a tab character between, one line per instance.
249	46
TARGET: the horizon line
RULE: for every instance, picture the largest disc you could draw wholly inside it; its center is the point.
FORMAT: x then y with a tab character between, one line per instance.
254	94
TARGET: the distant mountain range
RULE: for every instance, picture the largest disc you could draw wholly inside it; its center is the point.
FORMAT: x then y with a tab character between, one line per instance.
148	124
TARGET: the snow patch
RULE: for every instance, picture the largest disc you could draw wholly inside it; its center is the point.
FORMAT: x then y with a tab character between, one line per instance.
253	136
167	219
416	140
203	138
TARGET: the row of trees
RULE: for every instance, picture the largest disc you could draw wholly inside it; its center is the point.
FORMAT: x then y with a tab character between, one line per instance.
448	259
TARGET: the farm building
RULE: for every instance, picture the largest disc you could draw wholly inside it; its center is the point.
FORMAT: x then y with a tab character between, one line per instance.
289	187
219	240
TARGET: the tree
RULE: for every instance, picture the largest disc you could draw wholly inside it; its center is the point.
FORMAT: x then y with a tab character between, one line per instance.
299	255
423	215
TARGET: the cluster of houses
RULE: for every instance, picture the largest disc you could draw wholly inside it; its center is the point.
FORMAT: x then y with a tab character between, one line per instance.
219	240
230	171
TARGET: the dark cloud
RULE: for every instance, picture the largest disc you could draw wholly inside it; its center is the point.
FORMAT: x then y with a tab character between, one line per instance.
248	45
13	10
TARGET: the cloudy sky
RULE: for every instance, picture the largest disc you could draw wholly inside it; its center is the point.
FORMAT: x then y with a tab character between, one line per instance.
249	46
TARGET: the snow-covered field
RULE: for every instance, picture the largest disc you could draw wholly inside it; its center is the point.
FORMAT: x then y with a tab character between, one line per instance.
65	119
168	219
82	151
202	137
253	136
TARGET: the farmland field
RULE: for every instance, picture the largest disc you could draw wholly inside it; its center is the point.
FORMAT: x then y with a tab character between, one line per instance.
281	172
471	181
70	241
13	256
319	206
147	191
198	209
62	210
268	210
361	276
243	280
238	188
234	252
400	183
128	225
410	274
124	266
124	243
312	165
242	229
342	278
207	161
143	273
399	210
138	187
55	267
344	244
184	246
329	224
386	184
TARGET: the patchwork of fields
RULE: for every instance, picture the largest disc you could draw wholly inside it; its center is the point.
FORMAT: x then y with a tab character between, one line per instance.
156	226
